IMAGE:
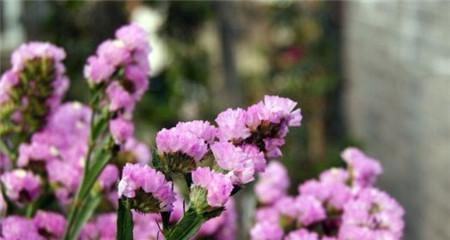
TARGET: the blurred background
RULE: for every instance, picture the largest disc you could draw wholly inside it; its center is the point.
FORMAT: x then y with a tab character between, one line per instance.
374	74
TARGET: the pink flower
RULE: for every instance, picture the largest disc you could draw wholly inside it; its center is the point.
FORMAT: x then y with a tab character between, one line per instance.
266	231
302	234
114	52
133	37
310	210
201	129
174	140
136	177
363	169
232	126
235	160
21	186
119	98
272	184
50	223
15	227
372	215
218	185
121	129
98	70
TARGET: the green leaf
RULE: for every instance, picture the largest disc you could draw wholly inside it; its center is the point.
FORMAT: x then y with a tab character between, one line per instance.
97	167
124	222
86	209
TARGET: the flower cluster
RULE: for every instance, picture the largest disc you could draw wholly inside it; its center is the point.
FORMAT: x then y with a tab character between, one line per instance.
342	204
44	225
31	89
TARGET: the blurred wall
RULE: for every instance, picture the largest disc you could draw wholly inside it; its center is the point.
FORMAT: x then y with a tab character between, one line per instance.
397	58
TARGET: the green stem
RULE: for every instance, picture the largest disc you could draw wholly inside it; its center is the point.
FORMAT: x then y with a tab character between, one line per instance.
124	222
5	149
187	227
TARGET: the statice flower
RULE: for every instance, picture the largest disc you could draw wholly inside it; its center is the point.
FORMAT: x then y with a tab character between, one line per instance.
266	231
15	228
269	120
218	187
5	163
272	184
232	126
145	226
106	226
233	159
222	227
121	129
122	65
180	150
64	138
21	186
50	225
108	177
136	151
310	210
202	129
302	234
331	193
363	169
372	215
146	189
32	88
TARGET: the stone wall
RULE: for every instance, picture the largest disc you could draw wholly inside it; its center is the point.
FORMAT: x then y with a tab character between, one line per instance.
397	68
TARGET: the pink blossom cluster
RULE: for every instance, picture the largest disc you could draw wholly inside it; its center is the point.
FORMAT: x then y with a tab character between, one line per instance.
342	204
241	145
44	225
32	88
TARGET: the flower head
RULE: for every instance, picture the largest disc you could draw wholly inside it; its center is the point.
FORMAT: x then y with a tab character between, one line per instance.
218	186
121	129
229	157
146	188
15	227
21	186
202	129
49	224
272	184
372	215
302	234
363	169
266	231
232	126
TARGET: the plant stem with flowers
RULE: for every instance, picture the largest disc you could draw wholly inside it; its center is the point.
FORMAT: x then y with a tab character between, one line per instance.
83	165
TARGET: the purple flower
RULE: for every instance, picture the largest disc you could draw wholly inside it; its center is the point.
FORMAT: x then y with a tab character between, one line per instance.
5	163
310	210
217	185
139	150
119	98
114	52
302	234
201	129
64	178
35	50
272	184
146	226
235	160
174	140
255	156
232	126
266	231
141	181
121	129
133	37
108	177
222	227
21	186
363	169
333	193
98	70
15	228
372	215
282	109
106	226
49	224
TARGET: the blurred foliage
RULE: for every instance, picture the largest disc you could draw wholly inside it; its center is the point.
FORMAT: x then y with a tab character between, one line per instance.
287	48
